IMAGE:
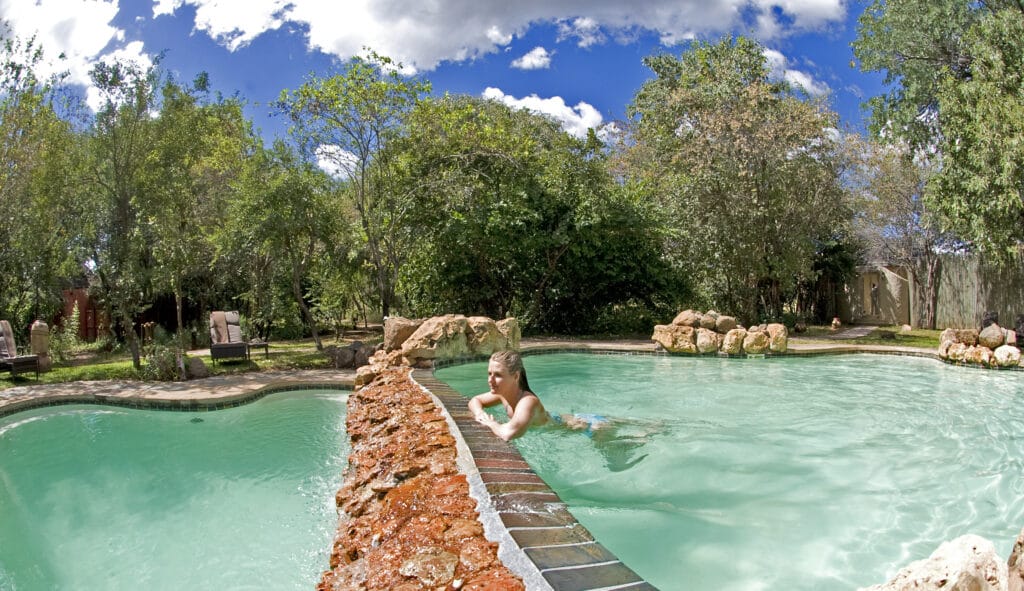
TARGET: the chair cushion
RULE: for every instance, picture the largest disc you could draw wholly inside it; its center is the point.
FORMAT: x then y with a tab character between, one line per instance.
234	333
7	346
218	328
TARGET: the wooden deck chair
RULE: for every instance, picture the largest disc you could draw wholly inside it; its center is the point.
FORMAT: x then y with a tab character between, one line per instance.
226	340
9	358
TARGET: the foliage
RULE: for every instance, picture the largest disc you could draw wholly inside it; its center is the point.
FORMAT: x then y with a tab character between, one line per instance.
347	121
745	170
164	363
979	189
515	217
64	339
953	67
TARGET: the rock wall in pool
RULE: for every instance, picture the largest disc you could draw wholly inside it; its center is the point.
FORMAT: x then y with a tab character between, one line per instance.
407	521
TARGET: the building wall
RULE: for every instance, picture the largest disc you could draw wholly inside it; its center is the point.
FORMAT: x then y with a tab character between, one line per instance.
878	295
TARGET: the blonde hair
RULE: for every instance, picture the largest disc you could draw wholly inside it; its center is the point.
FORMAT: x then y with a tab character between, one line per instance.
513	362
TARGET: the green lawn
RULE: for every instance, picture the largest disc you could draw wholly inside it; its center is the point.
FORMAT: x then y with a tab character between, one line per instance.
284	355
883	335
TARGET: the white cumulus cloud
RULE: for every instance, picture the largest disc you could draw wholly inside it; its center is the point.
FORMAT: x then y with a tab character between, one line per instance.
537	59
780	70
575	120
336	161
424	34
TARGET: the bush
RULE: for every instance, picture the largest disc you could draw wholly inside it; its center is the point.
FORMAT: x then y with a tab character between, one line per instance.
164	363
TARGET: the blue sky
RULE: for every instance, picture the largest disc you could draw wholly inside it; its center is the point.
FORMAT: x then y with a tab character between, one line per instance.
577	60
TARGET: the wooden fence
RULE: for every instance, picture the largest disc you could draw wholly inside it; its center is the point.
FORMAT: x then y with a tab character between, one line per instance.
969	287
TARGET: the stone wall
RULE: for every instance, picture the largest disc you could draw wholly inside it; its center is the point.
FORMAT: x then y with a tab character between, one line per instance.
407	521
699	333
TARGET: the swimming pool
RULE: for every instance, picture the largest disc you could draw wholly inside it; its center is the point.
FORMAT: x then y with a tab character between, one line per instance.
95	497
797	473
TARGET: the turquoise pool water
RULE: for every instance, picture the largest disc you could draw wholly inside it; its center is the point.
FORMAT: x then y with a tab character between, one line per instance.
95	497
745	474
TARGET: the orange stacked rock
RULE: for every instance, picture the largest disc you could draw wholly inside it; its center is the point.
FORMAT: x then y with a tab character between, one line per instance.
407	520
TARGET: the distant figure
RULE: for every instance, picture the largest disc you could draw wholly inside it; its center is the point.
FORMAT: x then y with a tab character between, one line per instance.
875	311
836	323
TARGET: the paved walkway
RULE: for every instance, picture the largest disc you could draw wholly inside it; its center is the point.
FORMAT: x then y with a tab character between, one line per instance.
231	390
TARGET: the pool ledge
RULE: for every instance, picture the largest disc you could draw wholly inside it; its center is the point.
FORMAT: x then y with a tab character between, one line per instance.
205	394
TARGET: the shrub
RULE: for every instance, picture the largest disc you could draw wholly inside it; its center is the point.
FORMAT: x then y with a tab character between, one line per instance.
164	363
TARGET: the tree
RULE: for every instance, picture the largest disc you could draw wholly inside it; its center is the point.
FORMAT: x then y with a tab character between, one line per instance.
285	217
516	217
895	223
348	120
979	189
120	138
745	170
196	156
953	68
32	142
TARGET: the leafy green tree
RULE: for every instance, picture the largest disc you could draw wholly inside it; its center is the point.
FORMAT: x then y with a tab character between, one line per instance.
119	144
953	67
32	142
895	224
516	217
744	169
979	189
348	120
197	154
285	217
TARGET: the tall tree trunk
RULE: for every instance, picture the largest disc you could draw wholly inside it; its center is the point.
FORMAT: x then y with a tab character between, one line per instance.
932	291
306	314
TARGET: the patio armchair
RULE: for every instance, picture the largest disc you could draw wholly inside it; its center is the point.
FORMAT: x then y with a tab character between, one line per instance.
226	340
9	358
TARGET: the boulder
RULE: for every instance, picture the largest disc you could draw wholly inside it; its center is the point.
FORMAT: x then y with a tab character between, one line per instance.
1015	571
1011	337
778	338
688	318
957	351
906	328
979	355
708	341
1006	356
725	323
755	343
675	338
197	369
732	343
967	336
341	357
397	330
509	327
992	336
968	563
440	337
944	349
947	336
483	336
709	320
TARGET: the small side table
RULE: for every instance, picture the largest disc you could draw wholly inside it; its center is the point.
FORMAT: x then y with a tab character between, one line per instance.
260	345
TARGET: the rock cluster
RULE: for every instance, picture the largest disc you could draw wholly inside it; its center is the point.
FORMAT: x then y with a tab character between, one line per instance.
355	354
407	520
992	346
696	333
418	343
968	563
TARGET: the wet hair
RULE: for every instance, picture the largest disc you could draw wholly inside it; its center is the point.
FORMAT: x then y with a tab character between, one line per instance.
513	362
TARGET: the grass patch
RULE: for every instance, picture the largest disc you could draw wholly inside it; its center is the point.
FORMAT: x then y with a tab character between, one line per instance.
118	366
883	335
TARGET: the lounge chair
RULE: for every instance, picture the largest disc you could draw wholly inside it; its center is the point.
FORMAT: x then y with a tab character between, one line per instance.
226	340
9	358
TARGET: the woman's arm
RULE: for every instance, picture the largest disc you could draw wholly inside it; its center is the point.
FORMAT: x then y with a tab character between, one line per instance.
480	401
517	424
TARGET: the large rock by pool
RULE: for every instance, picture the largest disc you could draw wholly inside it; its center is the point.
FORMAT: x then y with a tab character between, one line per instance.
693	332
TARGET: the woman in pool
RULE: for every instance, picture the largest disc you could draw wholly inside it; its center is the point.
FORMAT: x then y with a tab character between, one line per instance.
506	377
